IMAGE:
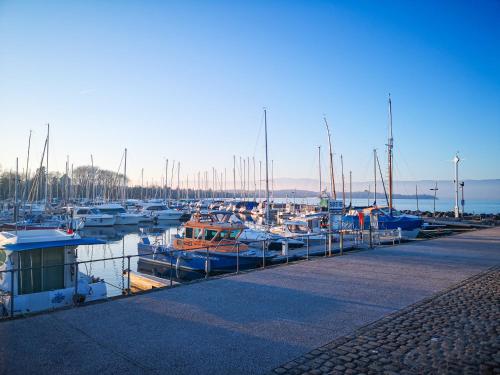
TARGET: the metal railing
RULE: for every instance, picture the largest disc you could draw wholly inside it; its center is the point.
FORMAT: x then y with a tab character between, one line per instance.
165	256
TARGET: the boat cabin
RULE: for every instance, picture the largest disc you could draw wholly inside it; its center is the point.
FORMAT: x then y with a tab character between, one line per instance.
213	230
37	271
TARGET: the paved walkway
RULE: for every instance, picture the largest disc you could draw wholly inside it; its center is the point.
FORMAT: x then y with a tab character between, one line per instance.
246	324
454	332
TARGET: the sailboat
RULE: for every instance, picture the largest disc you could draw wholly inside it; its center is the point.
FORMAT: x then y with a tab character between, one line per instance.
385	218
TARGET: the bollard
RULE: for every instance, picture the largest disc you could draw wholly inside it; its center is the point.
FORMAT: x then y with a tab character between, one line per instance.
237	258
128	275
307	247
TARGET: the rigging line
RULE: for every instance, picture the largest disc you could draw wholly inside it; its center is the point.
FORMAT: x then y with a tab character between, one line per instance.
383	183
258	134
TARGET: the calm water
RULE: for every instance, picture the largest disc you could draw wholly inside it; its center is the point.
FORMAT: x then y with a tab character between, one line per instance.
122	240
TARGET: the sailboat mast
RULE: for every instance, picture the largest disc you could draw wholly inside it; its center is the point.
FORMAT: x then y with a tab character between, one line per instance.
125	179
47	170
234	176
390	145
343	185
319	168
375	176
332	177
267	168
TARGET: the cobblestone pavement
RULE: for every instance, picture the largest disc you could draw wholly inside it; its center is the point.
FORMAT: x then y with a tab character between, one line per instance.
455	331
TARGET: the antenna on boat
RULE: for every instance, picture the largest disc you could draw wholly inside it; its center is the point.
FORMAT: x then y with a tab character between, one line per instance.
390	145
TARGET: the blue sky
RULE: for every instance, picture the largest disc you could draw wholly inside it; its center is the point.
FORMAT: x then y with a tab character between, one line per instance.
187	80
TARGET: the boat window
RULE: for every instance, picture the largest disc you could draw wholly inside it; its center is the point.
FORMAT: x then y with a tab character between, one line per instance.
188	233
82	211
198	233
32	279
234	234
94	211
210	234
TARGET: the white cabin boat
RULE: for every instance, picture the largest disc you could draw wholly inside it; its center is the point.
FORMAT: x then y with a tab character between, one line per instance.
37	272
160	211
93	217
122	217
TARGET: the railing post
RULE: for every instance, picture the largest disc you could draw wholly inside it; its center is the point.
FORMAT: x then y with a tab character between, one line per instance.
370	232
12	293
76	278
264	254
341	242
238	257
326	242
170	250
128	275
307	247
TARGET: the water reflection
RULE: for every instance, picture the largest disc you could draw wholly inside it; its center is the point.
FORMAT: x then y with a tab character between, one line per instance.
121	240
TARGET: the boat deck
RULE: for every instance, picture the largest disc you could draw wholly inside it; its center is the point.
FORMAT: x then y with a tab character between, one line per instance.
249	323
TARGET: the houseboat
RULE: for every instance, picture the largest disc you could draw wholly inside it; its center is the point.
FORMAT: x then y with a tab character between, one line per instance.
38	272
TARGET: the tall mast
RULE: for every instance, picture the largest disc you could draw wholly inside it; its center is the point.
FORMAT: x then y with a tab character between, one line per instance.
375	176
260	180
390	145
319	168
166	179
16	207
343	184
125	179
234	176
254	181
332	177
267	169
142	182
47	171
25	189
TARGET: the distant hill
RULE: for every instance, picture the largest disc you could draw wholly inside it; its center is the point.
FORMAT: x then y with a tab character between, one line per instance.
355	194
473	189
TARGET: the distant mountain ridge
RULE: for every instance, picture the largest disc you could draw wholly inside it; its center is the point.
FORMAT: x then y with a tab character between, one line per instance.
473	189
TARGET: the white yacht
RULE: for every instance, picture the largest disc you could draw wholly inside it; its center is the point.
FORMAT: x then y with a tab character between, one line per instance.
122	217
93	217
299	230
160	211
37	271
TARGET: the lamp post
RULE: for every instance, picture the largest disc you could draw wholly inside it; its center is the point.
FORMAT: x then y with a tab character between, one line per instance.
435	189
463	201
